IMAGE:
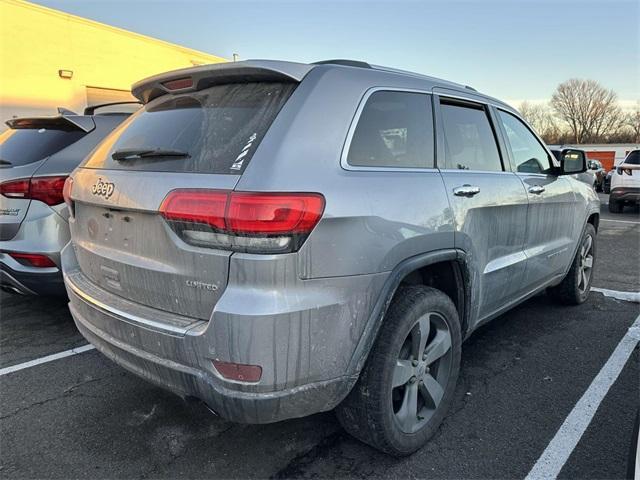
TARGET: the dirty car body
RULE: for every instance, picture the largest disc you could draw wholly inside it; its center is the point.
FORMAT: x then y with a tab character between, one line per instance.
263	326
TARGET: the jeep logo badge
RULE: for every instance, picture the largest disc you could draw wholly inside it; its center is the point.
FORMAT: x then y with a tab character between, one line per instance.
103	189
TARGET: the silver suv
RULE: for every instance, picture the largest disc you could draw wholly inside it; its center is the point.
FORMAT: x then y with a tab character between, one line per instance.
279	239
37	154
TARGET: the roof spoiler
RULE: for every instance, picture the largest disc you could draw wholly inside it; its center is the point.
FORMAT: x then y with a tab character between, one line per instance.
60	122
90	110
204	76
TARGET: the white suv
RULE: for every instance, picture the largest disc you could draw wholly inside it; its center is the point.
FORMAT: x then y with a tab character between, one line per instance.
625	183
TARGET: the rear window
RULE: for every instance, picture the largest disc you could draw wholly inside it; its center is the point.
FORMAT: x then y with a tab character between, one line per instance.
218	129
23	146
633	158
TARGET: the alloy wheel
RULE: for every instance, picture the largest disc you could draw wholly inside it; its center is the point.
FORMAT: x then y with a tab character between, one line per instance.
422	372
586	263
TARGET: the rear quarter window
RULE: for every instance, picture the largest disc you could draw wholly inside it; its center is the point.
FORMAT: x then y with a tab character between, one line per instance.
27	145
394	130
219	128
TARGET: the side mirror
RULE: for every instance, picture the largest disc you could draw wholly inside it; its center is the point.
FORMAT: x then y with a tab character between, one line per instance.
572	162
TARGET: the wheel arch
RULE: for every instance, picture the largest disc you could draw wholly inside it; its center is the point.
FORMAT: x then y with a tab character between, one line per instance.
594	219
445	270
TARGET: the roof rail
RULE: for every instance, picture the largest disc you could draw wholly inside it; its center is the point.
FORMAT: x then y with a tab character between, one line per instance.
347	63
91	109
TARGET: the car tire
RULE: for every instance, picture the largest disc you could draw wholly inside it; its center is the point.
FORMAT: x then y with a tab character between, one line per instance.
615	206
400	419
575	287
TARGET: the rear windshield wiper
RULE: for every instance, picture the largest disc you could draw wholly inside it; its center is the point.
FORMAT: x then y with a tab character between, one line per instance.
135	153
5	162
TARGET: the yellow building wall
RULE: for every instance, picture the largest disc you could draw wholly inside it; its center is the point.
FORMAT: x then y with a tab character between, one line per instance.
36	42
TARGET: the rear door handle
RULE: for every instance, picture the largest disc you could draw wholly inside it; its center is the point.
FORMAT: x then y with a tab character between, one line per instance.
537	189
466	191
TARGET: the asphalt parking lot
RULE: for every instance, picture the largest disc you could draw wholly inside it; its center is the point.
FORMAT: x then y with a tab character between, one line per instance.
522	375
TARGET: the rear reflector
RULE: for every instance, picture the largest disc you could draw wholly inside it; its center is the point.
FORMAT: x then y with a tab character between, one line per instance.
238	371
44	189
178	84
32	259
243	221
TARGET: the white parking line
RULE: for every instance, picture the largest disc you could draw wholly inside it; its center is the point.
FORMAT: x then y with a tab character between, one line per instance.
48	358
567	437
626	296
619	221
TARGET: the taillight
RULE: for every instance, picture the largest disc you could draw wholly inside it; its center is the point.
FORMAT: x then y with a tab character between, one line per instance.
32	259
15	188
44	189
48	189
66	193
243	221
269	213
196	206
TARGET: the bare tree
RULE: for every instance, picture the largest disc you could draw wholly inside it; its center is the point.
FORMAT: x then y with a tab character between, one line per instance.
632	121
541	119
590	111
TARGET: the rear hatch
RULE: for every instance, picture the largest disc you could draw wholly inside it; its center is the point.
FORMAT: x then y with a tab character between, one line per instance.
23	150
194	138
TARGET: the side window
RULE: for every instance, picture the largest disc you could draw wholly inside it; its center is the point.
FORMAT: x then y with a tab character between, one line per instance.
529	156
470	143
394	130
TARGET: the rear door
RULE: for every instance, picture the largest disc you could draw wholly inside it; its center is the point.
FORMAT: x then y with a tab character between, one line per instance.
206	139
488	201
22	151
551	221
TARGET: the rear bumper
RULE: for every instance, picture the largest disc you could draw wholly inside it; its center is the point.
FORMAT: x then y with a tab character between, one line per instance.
304	353
625	194
44	231
29	281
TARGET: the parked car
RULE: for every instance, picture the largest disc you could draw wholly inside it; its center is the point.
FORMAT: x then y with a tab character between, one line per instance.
36	156
279	239
625	183
606	185
598	170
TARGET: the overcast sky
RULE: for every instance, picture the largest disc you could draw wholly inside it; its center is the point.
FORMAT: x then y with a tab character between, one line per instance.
511	49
